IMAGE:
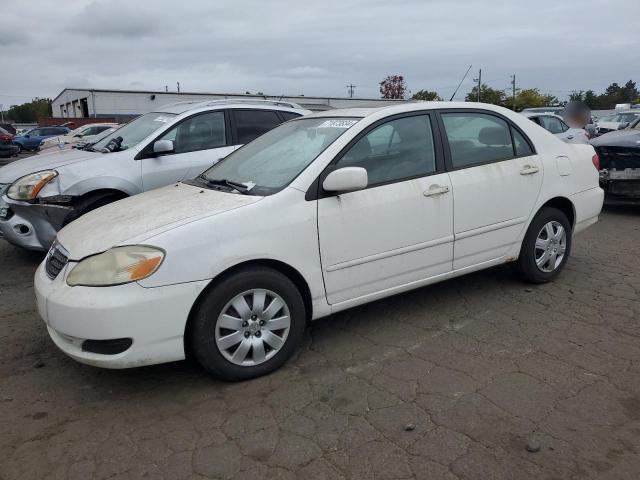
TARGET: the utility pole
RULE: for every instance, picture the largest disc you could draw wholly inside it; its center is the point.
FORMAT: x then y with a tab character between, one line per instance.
178	83
513	90
479	80
350	89
166	88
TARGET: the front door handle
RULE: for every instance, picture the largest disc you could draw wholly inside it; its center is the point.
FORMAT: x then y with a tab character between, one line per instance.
570	137
529	170
436	190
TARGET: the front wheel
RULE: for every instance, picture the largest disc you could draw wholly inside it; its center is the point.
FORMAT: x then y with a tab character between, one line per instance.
248	325
546	246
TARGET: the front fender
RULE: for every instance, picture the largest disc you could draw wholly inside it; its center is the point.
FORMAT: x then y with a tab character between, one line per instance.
78	187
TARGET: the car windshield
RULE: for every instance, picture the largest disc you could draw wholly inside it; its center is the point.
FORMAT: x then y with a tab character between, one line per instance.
3	131
273	160
135	131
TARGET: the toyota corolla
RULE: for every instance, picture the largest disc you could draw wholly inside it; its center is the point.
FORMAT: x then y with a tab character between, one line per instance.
321	214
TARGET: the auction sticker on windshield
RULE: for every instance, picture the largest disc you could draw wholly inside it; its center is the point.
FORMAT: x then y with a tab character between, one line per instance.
337	124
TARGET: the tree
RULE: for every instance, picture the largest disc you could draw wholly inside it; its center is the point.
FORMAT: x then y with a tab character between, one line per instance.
426	95
393	87
591	99
576	96
30	112
531	97
487	95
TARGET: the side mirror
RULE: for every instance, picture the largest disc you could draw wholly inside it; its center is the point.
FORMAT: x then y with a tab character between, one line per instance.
346	179
622	126
162	147
27	136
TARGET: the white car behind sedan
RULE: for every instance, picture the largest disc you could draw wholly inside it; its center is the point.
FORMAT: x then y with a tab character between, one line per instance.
556	125
321	214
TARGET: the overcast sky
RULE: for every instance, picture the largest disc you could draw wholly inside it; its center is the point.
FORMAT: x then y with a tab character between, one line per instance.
314	47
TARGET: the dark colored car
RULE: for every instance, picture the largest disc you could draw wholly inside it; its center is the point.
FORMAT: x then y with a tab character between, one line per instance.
7	147
34	137
619	154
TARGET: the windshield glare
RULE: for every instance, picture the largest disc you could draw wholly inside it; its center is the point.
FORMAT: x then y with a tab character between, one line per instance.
135	131
273	160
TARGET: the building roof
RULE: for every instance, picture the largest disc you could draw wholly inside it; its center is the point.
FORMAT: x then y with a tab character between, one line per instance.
300	98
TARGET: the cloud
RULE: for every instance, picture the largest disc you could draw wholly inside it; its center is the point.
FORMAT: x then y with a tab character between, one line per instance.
315	48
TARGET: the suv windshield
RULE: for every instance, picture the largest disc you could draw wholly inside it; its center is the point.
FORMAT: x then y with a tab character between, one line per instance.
273	160
135	131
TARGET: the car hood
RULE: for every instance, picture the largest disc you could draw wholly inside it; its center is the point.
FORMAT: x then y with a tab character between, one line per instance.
140	217
620	138
19	168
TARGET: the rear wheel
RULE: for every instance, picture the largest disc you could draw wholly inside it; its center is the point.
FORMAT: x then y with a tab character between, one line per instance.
248	325
546	246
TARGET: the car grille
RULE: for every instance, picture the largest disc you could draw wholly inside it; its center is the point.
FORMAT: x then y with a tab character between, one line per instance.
57	258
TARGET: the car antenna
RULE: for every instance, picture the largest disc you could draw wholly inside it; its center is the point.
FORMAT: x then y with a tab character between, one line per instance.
465	76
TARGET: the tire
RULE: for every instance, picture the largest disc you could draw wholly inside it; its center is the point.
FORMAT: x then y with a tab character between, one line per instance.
542	261
214	346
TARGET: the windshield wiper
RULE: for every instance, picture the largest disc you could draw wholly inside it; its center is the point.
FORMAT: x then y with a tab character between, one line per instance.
239	187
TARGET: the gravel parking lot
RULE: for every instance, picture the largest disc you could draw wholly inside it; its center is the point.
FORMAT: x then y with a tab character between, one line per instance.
449	381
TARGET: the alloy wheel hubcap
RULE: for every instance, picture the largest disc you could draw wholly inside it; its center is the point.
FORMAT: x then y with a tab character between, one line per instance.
252	327
551	245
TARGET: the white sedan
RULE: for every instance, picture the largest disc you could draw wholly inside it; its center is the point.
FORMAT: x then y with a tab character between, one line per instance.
321	214
555	124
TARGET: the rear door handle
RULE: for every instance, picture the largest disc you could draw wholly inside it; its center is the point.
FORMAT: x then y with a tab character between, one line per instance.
529	170
435	190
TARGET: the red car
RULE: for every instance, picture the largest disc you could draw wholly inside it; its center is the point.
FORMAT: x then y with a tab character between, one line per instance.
7	148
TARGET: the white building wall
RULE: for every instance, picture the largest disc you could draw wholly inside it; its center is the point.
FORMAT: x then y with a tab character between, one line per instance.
114	103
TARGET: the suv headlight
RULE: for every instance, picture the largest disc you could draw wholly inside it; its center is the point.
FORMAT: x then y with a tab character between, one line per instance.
116	266
28	187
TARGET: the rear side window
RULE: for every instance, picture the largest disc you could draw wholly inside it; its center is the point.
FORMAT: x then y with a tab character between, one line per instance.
522	146
552	124
250	124
477	138
397	150
289	115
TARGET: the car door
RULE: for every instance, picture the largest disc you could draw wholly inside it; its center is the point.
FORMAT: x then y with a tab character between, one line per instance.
496	178
34	138
399	229
199	141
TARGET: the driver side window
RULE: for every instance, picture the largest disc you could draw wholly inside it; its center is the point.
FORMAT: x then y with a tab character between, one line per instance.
200	132
396	150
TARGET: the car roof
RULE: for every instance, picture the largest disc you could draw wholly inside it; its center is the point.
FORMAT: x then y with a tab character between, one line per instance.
541	114
182	107
406	107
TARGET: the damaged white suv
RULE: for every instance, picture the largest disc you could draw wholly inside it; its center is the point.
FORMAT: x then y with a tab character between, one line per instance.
41	194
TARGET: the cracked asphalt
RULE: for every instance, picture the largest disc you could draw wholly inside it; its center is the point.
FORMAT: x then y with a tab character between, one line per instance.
452	381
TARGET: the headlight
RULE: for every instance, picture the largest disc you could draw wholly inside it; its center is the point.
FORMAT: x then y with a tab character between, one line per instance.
116	266
28	187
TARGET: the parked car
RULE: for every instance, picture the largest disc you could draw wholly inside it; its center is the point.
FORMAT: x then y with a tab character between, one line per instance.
44	192
76	135
619	154
556	125
7	147
616	121
90	140
8	128
34	137
321	214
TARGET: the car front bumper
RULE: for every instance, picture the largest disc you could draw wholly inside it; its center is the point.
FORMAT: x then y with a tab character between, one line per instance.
31	225
154	319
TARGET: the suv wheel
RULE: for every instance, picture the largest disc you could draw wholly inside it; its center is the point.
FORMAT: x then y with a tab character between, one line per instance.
248	325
